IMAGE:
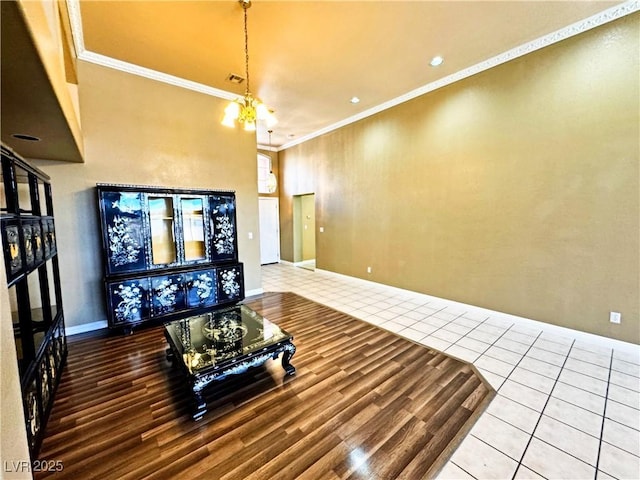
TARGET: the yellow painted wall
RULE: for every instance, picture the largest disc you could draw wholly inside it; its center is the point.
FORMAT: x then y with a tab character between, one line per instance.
516	189
139	131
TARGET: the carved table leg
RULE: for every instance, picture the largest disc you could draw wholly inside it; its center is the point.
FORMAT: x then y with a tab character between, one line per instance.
199	406
289	351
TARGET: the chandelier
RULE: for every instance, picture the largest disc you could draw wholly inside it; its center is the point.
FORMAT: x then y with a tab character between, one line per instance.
247	110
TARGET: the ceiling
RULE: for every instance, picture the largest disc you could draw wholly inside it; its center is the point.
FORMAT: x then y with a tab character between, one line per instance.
309	58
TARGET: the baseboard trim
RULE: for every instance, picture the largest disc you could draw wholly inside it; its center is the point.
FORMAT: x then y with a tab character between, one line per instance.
86	327
592	338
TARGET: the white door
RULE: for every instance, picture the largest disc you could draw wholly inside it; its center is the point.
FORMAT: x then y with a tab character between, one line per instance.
269	230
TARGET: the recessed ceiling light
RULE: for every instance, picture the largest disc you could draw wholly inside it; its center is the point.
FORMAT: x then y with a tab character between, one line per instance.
24	136
435	61
354	100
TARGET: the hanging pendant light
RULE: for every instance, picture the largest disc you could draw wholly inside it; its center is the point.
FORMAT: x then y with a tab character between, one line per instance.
272	181
248	110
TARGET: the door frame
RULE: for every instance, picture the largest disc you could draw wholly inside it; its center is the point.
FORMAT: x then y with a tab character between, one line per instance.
298	232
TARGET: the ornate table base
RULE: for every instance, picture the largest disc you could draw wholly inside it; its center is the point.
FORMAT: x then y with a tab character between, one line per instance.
235	339
197	383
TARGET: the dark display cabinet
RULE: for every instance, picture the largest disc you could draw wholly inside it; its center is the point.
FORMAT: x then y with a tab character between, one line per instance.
167	252
33	279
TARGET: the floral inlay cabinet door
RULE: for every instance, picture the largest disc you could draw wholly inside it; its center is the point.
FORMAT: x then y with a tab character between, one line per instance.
201	288
125	231
167	294
129	300
223	226
230	283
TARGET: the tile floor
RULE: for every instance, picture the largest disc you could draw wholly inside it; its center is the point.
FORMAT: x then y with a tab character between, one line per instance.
568	403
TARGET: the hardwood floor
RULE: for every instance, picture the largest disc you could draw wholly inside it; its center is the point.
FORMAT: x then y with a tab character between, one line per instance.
364	404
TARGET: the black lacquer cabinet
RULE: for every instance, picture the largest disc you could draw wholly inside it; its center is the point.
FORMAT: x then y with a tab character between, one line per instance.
167	252
33	279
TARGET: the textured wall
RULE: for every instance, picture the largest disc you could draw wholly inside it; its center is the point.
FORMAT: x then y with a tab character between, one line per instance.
144	132
515	189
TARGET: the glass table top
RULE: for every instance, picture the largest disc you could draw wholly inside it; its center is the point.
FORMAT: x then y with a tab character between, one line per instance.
215	338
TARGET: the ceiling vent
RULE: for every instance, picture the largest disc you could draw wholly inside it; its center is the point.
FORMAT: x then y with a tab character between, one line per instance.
233	78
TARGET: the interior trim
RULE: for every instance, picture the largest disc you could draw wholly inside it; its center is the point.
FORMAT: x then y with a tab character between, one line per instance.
605	342
86	327
134	69
255	291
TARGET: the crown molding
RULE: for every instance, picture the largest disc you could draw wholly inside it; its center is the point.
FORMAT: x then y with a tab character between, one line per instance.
75	19
577	28
133	69
267	148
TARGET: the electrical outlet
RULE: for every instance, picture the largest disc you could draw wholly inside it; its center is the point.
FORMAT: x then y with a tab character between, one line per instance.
368	269
615	317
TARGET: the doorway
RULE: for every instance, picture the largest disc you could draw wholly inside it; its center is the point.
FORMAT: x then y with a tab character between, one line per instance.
268	211
304	231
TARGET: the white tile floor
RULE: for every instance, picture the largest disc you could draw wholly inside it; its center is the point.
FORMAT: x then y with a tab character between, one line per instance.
568	403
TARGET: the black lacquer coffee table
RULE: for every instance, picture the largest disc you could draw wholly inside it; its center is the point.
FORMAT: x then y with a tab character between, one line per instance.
229	341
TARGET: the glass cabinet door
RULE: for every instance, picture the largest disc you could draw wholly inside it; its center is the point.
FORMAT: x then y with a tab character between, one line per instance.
193	228
161	220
